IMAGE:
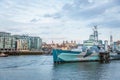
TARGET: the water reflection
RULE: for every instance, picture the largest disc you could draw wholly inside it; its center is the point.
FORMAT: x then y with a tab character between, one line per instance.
77	71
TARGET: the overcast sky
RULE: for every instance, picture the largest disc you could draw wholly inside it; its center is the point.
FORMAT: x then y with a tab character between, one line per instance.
59	20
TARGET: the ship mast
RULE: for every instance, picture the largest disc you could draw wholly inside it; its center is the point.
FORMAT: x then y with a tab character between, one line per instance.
95	33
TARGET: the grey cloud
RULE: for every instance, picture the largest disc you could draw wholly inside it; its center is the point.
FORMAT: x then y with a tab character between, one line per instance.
117	2
55	16
79	2
112	24
107	23
81	9
47	15
34	20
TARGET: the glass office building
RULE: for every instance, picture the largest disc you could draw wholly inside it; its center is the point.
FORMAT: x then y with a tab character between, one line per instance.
19	42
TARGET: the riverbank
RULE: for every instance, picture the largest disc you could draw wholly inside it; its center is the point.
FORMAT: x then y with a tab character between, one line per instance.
23	52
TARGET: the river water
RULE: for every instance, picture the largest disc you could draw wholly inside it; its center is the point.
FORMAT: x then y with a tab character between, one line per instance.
41	67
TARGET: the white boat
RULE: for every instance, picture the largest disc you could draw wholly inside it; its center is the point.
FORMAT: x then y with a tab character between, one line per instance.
3	55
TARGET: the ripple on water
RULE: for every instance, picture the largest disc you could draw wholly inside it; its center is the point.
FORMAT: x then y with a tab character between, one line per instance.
42	68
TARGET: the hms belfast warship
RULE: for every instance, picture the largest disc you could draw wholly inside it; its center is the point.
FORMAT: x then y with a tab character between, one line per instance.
90	51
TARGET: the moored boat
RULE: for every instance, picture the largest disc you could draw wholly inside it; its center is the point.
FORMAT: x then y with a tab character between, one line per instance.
75	56
70	56
91	51
3	55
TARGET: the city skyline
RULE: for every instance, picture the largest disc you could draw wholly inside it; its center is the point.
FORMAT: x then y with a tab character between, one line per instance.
55	20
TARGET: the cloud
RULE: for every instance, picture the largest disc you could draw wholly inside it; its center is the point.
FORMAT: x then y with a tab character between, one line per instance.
59	18
83	9
55	16
112	24
34	20
110	18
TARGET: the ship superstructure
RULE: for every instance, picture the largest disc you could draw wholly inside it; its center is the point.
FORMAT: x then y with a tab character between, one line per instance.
93	39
